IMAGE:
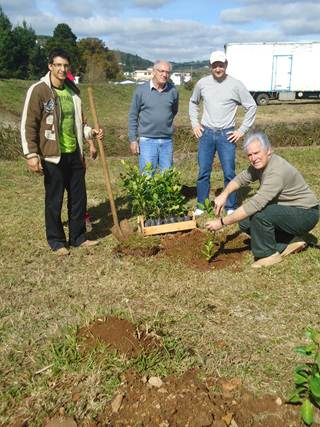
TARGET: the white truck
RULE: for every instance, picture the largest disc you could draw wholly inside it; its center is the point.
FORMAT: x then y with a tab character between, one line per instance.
283	71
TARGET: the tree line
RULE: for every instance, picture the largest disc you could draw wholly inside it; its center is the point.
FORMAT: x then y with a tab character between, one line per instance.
23	54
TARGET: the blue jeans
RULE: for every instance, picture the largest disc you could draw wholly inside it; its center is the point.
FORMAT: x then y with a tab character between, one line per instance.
157	151
213	140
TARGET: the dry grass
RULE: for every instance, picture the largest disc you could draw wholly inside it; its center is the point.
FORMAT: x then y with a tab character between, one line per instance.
235	324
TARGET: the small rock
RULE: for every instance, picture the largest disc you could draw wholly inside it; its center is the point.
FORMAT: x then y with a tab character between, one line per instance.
164	424
116	403
61	411
233	424
162	390
144	379
231	385
155	382
228	418
278	401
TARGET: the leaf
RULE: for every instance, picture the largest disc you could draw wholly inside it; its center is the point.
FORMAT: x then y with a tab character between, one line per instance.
315	386
314	335
316	400
300	350
300	378
307	412
305	350
295	398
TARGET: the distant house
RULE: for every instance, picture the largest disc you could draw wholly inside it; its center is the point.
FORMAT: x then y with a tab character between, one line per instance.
142	74
180	78
177	78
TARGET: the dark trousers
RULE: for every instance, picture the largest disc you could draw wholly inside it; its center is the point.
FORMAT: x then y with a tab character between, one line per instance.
276	225
68	175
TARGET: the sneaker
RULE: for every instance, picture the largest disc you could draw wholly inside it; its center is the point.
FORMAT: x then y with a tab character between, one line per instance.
296	245
267	261
198	212
230	211
63	251
89	243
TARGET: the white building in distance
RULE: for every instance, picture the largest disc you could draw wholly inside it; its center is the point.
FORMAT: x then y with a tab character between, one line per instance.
177	78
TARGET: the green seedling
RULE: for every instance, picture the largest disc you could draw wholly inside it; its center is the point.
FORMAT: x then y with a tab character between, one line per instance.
307	377
208	249
207	207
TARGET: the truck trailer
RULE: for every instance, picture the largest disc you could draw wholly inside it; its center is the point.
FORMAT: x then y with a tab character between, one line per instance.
283	71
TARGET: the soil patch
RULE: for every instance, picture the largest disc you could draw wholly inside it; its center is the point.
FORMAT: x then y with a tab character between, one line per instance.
138	245
192	399
189	401
119	335
188	247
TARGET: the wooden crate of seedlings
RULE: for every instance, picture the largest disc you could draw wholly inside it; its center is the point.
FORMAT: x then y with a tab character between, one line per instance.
167	225
156	195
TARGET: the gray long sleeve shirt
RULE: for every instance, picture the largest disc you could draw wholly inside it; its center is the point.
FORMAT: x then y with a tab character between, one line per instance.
220	102
280	183
152	112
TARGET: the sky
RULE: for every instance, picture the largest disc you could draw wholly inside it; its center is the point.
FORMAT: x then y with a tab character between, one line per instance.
174	30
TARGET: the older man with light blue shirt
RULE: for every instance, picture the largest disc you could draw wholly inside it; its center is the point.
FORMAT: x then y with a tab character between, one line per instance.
153	108
221	95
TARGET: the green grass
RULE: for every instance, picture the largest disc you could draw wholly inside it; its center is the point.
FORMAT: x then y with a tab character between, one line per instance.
287	124
242	324
113	103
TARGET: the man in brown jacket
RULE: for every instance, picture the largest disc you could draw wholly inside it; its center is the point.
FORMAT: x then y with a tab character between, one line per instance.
52	134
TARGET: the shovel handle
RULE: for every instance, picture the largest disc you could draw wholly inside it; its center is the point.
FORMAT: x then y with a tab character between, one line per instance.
104	162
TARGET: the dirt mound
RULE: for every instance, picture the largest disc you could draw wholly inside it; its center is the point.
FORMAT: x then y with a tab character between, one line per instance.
187	248
119	335
188	401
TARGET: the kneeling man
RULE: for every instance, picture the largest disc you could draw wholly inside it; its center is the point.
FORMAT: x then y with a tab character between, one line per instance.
283	209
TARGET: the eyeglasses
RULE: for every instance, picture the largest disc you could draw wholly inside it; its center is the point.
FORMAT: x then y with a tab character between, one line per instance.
65	66
163	71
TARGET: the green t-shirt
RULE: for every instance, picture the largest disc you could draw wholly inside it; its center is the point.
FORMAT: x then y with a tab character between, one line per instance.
67	136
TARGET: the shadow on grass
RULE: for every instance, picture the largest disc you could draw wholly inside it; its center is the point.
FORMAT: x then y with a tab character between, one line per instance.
189	192
102	219
230	237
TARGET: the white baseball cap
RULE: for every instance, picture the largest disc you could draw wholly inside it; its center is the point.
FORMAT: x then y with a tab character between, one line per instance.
218	56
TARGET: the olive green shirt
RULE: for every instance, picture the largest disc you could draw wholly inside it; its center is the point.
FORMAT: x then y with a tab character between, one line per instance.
67	136
280	183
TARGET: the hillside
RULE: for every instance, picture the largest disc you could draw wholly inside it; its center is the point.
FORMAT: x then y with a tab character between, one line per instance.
132	62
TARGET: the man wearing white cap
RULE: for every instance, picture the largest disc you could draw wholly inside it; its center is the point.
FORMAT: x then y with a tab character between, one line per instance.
221	95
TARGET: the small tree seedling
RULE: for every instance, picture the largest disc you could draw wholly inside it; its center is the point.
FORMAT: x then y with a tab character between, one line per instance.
307	377
207	207
208	248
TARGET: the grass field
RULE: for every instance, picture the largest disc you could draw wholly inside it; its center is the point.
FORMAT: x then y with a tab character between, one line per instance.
113	103
235	324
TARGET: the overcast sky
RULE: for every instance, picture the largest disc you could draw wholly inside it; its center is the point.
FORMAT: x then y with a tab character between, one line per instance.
177	30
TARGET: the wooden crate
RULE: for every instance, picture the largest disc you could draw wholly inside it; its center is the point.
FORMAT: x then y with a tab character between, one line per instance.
165	228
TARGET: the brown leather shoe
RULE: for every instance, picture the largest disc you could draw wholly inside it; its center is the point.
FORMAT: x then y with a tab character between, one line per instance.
89	243
267	261
294	247
62	251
